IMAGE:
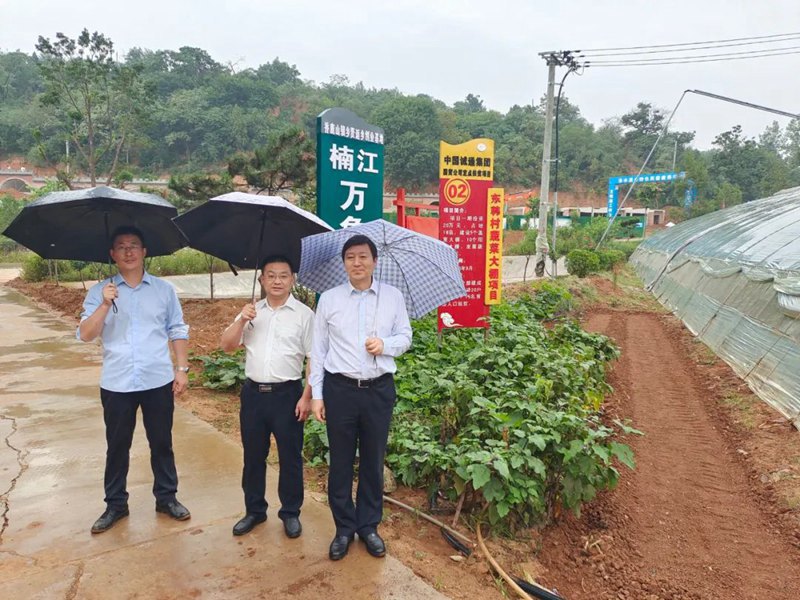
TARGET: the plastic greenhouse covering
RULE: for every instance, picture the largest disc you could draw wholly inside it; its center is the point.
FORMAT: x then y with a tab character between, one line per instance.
733	277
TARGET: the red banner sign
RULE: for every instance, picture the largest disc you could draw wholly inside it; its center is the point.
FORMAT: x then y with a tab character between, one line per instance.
465	178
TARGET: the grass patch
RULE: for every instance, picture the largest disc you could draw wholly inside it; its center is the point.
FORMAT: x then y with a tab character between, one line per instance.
743	407
13	258
793	499
703	354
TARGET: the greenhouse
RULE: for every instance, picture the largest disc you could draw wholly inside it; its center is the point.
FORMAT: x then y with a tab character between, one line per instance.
733	277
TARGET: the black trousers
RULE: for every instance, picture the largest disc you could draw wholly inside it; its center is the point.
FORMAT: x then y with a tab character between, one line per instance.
357	418
261	415
119	414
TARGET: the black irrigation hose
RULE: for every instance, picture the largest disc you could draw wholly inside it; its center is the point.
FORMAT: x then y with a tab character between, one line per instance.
453	541
536	591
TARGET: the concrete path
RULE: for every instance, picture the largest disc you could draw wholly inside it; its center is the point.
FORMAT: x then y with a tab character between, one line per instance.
51	469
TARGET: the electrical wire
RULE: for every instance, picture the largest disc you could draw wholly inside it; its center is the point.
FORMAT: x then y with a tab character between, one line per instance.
698	56
744	39
790	37
683	62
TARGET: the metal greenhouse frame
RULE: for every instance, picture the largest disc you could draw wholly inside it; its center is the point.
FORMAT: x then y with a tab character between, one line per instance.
733	277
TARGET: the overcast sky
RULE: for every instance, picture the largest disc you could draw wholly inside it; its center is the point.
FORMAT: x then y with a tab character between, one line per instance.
449	48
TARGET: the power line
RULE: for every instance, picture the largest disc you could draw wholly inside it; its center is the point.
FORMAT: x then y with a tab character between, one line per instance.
698	56
744	39
680	62
708	47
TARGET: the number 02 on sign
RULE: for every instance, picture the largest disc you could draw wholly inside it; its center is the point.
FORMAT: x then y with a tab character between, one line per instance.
456	191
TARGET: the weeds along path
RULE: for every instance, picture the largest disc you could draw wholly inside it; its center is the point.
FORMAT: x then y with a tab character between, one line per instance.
685	523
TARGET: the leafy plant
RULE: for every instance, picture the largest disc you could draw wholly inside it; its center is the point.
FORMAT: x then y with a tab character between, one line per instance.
610	258
513	424
315	443
582	262
222	370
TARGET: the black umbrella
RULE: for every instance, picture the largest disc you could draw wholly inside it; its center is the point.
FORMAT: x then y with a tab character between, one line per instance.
77	225
243	229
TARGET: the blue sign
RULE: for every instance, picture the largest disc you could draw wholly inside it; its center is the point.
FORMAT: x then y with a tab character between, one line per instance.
612	205
690	195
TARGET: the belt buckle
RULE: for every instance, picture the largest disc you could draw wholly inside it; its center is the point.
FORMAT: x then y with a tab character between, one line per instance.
265	387
363	383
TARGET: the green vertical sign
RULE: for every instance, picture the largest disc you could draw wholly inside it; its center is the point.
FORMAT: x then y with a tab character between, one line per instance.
349	169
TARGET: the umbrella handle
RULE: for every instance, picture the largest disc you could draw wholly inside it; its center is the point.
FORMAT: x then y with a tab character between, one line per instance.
114	308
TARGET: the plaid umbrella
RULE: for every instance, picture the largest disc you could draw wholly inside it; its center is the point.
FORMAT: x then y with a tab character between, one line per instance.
424	269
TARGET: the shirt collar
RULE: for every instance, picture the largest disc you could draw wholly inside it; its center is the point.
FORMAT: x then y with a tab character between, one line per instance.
291	302
372	288
118	279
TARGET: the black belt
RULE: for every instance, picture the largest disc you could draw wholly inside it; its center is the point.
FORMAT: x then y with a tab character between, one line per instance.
361	383
266	388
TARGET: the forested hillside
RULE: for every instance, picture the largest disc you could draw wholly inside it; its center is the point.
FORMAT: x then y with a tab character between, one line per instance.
183	112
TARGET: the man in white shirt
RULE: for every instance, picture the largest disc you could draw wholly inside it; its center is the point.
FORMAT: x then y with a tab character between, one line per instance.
359	328
276	335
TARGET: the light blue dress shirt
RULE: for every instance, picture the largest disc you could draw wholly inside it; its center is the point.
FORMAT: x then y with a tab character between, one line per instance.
345	318
135	339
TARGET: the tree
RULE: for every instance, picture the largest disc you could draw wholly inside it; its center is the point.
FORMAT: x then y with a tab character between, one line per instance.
286	161
413	133
19	78
641	128
757	171
97	101
471	104
194	189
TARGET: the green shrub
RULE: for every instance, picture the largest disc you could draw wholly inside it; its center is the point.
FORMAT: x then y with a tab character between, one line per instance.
582	262
627	247
511	423
185	261
9	254
316	450
222	370
609	258
35	268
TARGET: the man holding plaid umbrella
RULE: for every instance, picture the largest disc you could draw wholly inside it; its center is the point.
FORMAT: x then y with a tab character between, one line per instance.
354	345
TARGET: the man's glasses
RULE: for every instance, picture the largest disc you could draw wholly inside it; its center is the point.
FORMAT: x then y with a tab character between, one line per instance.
282	277
127	249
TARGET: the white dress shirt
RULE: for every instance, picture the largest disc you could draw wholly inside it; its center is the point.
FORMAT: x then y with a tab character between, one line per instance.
278	341
345	318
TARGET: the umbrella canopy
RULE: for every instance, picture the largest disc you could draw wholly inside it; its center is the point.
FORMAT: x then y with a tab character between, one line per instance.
76	225
424	269
242	229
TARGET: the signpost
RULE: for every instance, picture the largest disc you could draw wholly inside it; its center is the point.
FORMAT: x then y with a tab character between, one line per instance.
465	178
612	200
349	169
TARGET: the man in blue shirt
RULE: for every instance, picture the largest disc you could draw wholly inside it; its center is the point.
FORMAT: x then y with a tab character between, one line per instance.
359	328
137	316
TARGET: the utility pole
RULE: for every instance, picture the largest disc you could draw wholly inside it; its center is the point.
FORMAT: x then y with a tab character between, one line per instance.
553	59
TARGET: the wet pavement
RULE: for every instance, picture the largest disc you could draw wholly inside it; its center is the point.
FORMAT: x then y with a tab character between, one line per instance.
51	469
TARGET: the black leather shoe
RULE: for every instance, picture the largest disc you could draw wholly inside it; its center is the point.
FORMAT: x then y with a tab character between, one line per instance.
247	522
375	545
174	509
108	518
292	527
339	547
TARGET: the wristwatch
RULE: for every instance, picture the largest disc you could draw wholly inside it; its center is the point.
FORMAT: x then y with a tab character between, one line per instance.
182	369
